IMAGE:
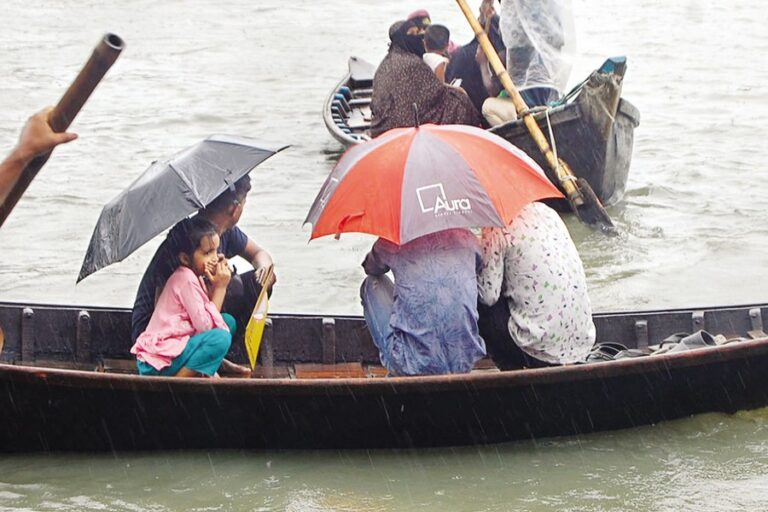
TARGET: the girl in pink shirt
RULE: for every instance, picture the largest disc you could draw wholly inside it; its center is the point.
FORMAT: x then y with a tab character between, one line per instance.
187	335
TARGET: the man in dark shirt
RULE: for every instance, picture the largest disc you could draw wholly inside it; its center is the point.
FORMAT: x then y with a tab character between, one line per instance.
224	212
479	82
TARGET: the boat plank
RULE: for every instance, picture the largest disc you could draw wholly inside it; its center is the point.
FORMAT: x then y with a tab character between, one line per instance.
330	371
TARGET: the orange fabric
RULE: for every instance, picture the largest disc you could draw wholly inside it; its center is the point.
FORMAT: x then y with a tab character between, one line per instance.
367	189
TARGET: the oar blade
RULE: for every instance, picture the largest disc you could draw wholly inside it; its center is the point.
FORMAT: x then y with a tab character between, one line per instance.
592	212
254	331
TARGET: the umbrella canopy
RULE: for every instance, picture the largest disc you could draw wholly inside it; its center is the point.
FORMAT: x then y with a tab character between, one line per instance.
169	191
410	182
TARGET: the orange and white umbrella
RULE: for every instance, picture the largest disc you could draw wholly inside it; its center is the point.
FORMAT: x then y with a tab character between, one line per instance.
410	182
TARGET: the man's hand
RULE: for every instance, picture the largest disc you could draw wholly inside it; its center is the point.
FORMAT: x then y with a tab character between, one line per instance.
260	274
37	136
487	11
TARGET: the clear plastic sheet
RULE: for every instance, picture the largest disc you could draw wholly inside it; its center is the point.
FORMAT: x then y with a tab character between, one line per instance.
540	40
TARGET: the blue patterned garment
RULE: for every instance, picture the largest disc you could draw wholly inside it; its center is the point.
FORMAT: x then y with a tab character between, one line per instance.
433	323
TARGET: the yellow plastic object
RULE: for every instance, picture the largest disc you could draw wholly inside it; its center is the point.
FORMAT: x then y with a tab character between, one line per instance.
255	330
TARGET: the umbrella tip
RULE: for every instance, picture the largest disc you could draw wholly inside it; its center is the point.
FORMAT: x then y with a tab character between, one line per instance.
416	114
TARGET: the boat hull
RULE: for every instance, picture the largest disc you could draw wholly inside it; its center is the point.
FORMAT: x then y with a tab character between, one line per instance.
45	411
48	406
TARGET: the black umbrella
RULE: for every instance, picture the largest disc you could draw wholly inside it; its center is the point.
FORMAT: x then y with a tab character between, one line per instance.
169	191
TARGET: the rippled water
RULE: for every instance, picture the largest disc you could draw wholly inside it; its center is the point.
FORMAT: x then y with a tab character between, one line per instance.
712	462
692	221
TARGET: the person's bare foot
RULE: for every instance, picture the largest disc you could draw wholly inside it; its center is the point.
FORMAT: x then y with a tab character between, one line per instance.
229	368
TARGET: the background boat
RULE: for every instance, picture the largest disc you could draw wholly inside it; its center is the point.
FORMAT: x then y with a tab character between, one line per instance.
593	130
67	382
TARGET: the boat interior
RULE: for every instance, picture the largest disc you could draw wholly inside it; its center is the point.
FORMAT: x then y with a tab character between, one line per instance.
319	347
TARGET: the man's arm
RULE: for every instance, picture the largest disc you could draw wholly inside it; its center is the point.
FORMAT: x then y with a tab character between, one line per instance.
260	259
372	263
36	138
492	86
491	273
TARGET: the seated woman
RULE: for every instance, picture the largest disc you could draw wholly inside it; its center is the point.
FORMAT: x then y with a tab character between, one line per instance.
187	336
426	322
533	280
403	80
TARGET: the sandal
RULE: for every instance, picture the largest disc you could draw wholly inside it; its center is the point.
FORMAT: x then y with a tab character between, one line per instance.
699	339
632	352
605	351
668	343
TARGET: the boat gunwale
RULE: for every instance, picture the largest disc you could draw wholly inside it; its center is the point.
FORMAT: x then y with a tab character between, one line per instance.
308	316
391	385
328	118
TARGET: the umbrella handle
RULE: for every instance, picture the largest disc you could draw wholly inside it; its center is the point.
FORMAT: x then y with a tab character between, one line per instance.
62	115
343	222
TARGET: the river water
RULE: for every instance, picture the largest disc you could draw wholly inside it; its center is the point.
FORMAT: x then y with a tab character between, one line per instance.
692	224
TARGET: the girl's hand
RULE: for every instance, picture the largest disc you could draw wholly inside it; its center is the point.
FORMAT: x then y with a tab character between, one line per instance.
220	276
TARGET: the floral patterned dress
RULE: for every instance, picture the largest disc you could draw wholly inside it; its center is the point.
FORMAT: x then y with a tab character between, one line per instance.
534	265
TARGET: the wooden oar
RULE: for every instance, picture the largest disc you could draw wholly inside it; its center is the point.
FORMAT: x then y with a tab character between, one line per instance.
104	55
580	195
254	331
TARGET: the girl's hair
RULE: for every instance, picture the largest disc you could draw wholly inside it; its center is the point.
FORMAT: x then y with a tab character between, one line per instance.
185	237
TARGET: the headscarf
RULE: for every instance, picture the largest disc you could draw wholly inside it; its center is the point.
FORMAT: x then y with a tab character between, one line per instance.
403	79
398	34
421	17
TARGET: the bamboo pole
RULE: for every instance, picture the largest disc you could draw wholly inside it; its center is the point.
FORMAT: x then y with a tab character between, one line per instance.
572	185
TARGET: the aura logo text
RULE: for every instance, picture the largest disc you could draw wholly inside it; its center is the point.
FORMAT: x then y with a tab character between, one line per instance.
432	198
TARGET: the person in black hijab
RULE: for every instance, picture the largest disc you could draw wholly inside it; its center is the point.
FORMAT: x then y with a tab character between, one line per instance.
408	36
403	79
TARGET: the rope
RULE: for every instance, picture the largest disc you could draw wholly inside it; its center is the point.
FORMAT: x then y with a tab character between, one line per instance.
570	94
532	111
554	148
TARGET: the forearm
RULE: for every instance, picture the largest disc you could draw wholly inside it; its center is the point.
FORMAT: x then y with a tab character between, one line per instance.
10	170
217	296
491	86
491	273
488	289
36	138
261	259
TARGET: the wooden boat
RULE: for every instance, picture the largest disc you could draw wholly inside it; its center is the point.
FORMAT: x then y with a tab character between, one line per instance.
67	382
593	131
